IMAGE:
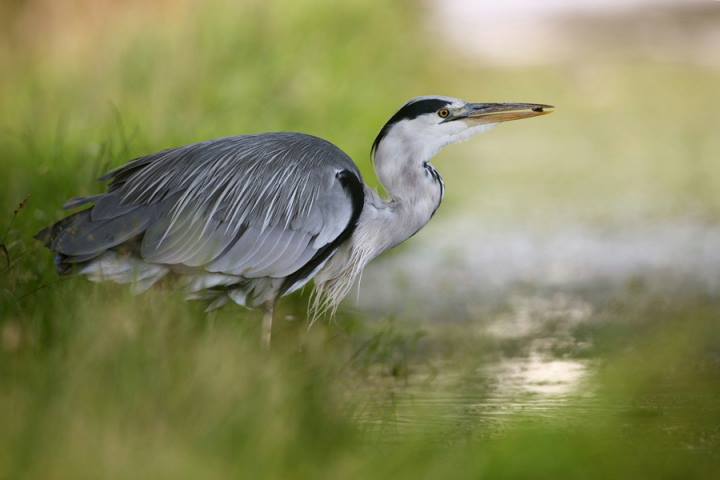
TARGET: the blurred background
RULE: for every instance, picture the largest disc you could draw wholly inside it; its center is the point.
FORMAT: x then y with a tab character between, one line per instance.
557	318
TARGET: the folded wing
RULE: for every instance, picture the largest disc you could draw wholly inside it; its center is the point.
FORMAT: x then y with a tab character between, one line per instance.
254	206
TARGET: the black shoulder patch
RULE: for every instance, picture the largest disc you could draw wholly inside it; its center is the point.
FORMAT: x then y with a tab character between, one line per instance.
408	112
354	187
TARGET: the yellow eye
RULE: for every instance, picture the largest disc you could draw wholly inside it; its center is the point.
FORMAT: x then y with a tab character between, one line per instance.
443	112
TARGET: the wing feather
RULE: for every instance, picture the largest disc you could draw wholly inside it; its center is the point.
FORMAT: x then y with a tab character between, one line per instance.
285	263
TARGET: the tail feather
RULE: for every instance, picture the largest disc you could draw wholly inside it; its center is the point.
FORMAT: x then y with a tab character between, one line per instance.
77	239
49	235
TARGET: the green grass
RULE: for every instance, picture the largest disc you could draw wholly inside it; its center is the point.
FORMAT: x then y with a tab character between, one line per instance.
96	383
106	385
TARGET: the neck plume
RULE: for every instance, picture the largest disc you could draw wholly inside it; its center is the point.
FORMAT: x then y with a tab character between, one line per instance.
415	190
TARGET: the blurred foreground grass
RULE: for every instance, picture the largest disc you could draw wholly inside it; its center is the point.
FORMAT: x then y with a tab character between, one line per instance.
96	383
105	385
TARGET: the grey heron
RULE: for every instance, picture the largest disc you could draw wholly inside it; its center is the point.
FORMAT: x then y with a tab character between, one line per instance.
252	218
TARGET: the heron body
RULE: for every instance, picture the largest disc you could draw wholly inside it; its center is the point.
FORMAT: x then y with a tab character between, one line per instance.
251	218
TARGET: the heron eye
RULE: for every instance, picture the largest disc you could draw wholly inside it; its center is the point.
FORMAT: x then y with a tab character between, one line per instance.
443	112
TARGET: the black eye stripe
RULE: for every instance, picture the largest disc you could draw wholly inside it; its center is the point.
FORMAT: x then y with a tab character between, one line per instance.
408	112
415	109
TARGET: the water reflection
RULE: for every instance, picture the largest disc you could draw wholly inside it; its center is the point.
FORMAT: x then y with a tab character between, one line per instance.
543	377
531	390
531	315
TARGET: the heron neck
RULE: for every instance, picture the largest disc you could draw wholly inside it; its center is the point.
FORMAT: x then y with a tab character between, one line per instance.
415	190
400	167
414	195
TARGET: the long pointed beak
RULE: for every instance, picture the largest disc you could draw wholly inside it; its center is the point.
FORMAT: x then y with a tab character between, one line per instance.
503	112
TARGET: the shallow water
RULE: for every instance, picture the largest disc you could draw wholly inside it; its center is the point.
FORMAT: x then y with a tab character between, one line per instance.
561	272
589	328
493	397
542	394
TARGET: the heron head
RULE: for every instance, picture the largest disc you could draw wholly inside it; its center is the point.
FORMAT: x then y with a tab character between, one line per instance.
424	125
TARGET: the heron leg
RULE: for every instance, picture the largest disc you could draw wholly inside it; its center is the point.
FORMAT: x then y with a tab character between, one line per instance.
268	309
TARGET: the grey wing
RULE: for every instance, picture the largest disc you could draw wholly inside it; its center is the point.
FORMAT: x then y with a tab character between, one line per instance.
269	205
